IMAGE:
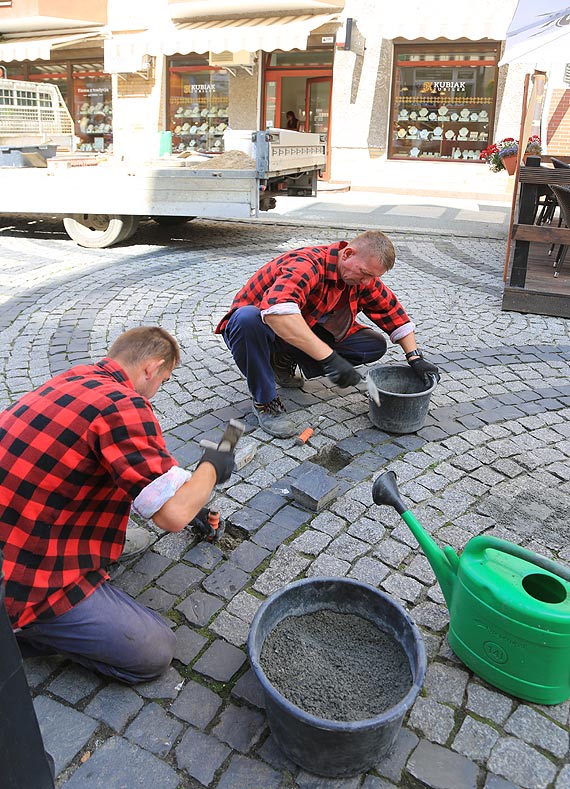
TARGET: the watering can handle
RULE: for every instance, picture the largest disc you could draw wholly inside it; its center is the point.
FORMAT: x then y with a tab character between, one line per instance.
483	542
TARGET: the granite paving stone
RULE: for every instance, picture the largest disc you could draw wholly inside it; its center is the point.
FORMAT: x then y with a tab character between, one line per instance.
392	765
270	536
204	555
115	705
326	566
244	605
369	571
513	759
180	579
196	705
225	581
434	720
74	683
243	771
249	689
432	765
240	727
271	753
201	755
154	730
285	566
311	542
167	686
199	608
231	628
220	661
64	730
536	729
121	763
347	548
151	565
247	556
157	599
188	644
306	780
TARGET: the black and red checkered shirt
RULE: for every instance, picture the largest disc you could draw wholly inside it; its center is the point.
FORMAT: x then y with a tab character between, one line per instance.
74	454
309	277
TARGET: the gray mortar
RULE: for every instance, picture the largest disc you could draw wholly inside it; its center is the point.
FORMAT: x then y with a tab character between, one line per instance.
335	666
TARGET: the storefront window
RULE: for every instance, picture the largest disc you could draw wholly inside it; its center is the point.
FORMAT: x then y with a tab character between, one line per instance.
443	101
198	105
93	107
305	59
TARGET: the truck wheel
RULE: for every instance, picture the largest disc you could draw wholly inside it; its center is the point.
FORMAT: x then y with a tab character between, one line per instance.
97	231
172	221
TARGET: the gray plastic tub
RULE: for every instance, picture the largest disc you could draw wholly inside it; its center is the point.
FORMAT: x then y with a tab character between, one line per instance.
404	399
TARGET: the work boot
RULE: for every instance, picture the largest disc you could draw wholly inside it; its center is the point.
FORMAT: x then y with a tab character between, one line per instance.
273	419
284	367
136	542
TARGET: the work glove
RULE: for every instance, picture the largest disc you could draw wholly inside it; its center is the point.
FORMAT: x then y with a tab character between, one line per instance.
223	462
339	371
425	370
200	521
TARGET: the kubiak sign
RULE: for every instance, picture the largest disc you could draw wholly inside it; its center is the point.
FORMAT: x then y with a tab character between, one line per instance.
435	87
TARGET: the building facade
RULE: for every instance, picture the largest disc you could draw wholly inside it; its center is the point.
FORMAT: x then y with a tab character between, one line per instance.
399	92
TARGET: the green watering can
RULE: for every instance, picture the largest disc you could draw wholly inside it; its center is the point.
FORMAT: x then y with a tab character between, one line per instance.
509	608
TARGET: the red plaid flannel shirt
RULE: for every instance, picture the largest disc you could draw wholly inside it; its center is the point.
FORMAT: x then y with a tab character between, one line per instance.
74	454
309	277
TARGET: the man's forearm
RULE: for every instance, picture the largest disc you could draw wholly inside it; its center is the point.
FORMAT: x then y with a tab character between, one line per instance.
408	343
188	500
294	330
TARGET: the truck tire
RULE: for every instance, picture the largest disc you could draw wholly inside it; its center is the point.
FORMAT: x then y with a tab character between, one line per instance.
98	231
172	221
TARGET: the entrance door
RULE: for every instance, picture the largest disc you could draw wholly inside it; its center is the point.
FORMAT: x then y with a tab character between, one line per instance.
318	108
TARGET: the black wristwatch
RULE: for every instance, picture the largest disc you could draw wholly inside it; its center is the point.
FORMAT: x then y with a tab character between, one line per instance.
415	352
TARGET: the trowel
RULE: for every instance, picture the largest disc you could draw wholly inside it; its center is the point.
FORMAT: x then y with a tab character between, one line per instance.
373	390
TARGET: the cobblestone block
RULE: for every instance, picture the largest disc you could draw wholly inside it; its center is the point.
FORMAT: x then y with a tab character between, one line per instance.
403	587
157	599
347	548
121	763
437	767
268	501
285	566
326	566
369	571
368	530
328	523
291	518
248	688
247	519
188	644
205	555
74	683
199	608
475	739
311	542
392	765
245	452
243	772
240	727
154	730
315	489
220	661
307	780
196	705
513	759
563	780
244	606
225	581
64	730
434	617
488	703
392	552
373	782
271	753
534	728
151	565
132	583
180	579
174	545
494	782
446	683
270	536
201	756
229	627
167	686
115	705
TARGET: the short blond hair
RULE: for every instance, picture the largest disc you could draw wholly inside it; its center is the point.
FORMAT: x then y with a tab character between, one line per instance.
146	342
377	245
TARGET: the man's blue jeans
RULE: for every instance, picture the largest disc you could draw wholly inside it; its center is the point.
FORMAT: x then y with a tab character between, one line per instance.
252	342
110	633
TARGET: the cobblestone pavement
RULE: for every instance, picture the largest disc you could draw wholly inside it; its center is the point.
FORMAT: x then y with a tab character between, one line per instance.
493	457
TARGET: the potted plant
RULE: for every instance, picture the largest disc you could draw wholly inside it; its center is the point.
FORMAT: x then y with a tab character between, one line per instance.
502	155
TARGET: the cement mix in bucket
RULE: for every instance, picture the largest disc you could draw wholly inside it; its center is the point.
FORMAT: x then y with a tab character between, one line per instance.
336	666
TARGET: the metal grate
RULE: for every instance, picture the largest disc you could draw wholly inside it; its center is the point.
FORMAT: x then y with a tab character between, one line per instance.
33	109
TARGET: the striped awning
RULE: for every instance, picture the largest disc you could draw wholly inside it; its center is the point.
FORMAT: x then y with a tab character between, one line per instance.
39	47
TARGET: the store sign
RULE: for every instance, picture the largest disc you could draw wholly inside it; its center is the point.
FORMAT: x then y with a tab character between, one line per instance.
435	87
205	88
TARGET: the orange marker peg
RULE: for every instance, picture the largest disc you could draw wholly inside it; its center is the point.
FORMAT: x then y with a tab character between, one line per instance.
304	436
214	519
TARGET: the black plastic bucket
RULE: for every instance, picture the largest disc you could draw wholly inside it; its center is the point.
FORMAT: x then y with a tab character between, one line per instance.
326	747
23	761
404	399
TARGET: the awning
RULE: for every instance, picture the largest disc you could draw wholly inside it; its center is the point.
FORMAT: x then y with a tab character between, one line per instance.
39	48
236	35
430	19
538	36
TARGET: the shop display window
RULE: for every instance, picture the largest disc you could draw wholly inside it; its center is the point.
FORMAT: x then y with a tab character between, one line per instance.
93	107
198	102
443	101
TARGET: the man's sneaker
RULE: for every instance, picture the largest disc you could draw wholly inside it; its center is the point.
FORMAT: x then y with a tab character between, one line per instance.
273	419
284	367
136	542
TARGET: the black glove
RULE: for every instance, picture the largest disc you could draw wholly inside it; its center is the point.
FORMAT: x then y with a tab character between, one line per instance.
200	521
339	371
424	370
223	462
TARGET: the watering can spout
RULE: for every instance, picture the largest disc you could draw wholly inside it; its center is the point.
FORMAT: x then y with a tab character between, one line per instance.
444	562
